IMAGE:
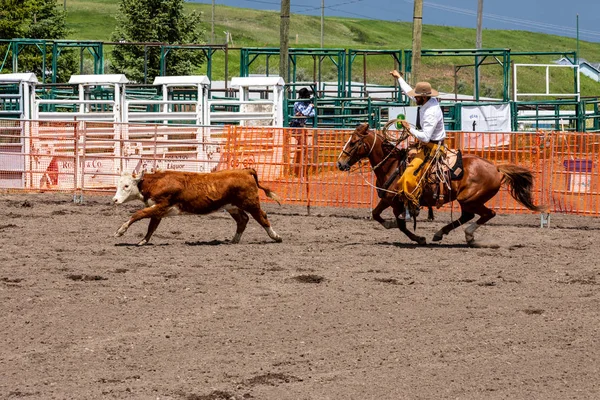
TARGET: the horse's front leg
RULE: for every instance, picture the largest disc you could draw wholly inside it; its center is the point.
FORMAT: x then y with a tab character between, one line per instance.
376	213
399	213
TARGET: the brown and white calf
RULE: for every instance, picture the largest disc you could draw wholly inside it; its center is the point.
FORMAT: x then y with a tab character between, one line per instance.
168	193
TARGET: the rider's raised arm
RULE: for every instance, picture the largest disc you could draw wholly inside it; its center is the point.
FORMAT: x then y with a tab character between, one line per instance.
404	86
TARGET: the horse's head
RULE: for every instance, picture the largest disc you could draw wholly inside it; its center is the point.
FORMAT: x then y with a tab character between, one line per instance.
359	145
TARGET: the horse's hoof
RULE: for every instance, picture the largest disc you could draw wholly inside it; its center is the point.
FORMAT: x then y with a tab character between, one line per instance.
437	237
143	242
390	224
421	241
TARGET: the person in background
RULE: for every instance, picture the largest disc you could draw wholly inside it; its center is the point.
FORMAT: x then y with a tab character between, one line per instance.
303	108
429	130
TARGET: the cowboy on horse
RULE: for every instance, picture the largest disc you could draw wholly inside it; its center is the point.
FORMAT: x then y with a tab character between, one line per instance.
430	131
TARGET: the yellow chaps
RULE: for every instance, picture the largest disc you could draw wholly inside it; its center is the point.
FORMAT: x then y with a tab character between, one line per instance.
410	186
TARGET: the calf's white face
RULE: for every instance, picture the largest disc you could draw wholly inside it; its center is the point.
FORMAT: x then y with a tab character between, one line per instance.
127	189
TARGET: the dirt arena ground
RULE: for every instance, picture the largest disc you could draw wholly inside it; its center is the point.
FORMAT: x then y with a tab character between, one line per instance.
342	309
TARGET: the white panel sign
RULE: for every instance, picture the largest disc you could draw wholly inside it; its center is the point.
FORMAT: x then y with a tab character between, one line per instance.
483	126
486	118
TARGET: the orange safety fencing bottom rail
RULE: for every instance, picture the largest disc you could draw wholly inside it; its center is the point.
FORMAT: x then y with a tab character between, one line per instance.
299	164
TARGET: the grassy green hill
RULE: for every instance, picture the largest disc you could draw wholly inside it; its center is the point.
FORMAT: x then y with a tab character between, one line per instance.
95	20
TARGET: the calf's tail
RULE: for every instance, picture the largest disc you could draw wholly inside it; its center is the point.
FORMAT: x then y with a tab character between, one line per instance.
270	194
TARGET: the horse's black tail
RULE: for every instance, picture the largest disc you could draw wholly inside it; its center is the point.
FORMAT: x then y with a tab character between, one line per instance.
520	184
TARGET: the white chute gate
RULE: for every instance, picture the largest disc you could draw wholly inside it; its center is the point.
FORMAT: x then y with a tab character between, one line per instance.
97	121
16	90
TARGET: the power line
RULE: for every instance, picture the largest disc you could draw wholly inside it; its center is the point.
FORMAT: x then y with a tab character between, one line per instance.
355	14
331	6
542	26
264	2
511	20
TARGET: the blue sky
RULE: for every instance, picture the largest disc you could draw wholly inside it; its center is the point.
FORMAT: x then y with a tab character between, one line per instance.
558	17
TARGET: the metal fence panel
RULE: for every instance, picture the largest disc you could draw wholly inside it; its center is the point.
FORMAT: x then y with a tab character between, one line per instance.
299	164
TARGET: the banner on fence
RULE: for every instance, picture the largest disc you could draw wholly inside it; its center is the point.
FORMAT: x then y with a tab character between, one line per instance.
479	121
486	118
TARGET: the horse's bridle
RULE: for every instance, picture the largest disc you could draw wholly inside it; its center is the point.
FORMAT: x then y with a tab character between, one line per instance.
351	153
356	146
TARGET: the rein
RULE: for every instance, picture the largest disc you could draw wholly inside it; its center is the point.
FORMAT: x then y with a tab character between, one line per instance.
388	155
384	138
379	189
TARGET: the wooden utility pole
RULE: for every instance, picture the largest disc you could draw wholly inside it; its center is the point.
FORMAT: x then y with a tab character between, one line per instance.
478	45
322	22
212	24
416	40
479	18
284	39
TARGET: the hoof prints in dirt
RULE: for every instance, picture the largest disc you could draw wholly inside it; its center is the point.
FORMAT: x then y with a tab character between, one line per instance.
533	311
391	281
22	204
271	379
18	393
12	281
309	278
218	395
84	277
63	212
3	227
581	281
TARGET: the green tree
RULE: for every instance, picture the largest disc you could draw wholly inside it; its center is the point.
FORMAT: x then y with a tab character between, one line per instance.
36	19
13	15
158	21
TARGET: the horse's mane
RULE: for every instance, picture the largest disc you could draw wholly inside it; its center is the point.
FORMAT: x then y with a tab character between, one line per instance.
390	147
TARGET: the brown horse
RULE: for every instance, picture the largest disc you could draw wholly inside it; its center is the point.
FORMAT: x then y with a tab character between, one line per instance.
480	182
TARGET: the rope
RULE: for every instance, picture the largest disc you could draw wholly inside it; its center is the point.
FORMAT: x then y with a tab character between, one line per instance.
357	170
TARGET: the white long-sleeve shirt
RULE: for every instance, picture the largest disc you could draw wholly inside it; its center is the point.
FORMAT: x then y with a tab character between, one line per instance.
431	117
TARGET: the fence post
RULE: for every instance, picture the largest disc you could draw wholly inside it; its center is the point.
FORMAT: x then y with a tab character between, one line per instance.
154	161
76	198
27	129
545	220
83	153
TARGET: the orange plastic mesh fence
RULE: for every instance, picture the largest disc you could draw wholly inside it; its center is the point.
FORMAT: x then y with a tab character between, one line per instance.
570	175
298	164
301	163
